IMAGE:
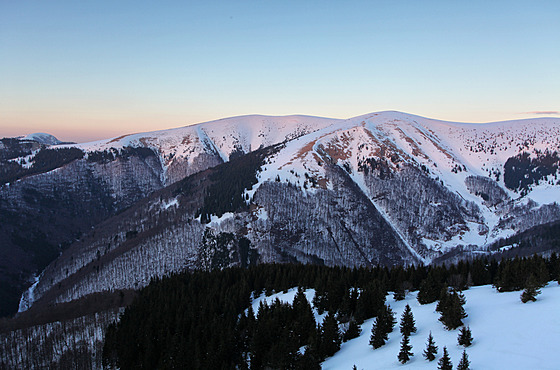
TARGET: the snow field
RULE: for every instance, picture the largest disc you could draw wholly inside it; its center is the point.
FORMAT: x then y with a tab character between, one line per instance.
507	333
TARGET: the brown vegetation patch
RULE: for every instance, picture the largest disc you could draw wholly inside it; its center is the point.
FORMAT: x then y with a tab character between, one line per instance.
186	140
337	148
303	152
118	138
436	144
322	182
146	141
416	151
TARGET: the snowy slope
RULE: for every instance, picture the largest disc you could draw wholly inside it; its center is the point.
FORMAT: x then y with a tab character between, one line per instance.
507	333
415	171
385	188
42	138
455	157
220	138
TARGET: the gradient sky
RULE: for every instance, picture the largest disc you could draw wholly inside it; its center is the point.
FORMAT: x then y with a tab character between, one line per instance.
85	70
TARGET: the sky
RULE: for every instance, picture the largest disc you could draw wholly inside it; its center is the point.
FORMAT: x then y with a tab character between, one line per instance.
87	70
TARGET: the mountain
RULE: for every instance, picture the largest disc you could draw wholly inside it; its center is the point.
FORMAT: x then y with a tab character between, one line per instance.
42	138
51	195
83	225
385	188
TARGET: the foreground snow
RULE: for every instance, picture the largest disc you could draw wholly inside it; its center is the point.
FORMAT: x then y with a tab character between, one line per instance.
507	333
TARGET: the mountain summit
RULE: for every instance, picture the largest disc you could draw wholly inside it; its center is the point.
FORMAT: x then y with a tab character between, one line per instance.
42	138
383	188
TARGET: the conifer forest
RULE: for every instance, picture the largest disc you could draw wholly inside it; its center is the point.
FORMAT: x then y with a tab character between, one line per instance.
204	320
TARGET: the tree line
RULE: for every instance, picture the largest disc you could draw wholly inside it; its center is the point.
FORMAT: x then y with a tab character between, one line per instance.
204	319
45	160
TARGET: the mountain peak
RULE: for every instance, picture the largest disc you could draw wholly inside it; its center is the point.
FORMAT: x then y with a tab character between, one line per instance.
42	138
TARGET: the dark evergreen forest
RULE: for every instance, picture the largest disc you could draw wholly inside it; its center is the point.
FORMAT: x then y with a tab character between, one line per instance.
44	161
203	319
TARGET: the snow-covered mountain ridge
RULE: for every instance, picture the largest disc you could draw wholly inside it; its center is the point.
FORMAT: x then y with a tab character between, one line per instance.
181	149
384	188
42	138
472	178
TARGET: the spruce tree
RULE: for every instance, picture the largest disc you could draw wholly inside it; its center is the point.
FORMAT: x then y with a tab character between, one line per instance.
405	353
429	290
399	294
383	325
531	290
378	336
353	330
451	308
465	337
445	363
330	338
431	349
464	362
443	300
407	321
304	320
389	317
370	301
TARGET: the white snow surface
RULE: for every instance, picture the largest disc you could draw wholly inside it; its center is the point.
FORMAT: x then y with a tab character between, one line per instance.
481	148
27	298
224	136
478	149
507	334
42	138
287	297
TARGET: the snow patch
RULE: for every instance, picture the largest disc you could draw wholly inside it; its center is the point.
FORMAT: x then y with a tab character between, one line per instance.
287	297
170	203
42	138
216	221
28	297
507	334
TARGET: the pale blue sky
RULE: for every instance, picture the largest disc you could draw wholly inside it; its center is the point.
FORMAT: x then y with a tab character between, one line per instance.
84	70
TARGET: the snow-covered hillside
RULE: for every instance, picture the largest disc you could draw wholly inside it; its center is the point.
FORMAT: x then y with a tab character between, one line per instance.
42	138
384	188
507	333
181	148
440	184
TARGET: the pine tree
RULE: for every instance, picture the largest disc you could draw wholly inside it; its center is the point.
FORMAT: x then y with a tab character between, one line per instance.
407	322
378	336
429	290
383	325
330	338
431	349
405	352
353	330
531	290
464	362
451	308
465	337
399	294
445	363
